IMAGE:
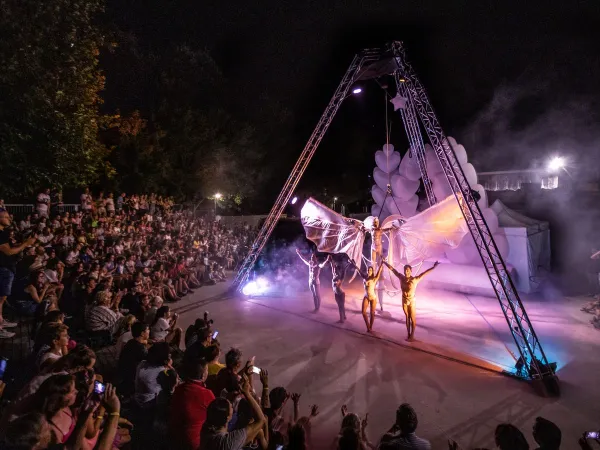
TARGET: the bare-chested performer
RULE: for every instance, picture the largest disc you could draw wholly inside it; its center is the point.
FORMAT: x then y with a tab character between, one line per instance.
408	285
314	270
338	271
370	299
377	254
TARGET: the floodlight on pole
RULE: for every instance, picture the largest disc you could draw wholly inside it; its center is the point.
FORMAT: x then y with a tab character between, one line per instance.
356	90
294	200
556	163
217	197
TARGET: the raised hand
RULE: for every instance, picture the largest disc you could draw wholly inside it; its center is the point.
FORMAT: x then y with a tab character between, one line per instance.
264	377
364	422
314	411
295	397
344	410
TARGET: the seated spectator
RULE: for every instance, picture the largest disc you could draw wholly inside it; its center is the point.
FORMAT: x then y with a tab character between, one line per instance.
51	344
37	291
53	399
28	432
189	405
509	437
104	315
230	374
198	348
547	435
133	353
214	433
164	327
127	335
352	434
212	354
402	434
147	386
150	315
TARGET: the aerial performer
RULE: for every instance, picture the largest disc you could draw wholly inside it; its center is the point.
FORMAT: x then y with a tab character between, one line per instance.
338	271
408	285
370	279
314	270
377	254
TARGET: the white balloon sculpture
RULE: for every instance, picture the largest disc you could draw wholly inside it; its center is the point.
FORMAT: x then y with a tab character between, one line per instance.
403	175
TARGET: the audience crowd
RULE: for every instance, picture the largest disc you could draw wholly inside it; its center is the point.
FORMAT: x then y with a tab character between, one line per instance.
104	277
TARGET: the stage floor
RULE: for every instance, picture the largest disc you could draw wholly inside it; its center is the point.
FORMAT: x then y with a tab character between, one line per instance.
468	329
331	364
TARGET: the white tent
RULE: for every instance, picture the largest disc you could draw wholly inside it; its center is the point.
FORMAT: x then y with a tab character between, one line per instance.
529	244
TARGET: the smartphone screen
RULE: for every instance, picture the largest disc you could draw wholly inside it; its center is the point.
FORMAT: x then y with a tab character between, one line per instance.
3	363
592	435
99	387
255	369
215	334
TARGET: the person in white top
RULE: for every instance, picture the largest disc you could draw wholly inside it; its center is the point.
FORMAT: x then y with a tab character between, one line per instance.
110	203
164	327
43	203
86	200
127	336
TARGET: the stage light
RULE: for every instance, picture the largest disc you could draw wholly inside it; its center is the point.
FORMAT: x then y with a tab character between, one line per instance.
294	200
258	287
218	196
356	90
556	163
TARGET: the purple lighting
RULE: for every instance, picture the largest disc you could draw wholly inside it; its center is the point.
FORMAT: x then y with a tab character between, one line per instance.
356	90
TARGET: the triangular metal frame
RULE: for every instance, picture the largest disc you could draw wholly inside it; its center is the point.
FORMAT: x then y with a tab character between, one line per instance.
391	60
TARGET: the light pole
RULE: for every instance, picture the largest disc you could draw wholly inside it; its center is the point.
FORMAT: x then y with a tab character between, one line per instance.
335	199
217	197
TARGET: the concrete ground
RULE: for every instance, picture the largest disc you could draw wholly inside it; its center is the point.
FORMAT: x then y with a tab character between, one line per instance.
331	365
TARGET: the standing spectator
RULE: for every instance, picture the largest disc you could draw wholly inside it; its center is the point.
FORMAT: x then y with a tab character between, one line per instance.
188	406
402	434
43	203
546	434
9	251
86	201
110	204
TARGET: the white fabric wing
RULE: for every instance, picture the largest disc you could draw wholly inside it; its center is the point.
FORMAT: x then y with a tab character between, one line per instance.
332	232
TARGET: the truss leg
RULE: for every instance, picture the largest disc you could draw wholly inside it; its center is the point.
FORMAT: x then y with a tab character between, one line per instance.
298	170
532	355
413	131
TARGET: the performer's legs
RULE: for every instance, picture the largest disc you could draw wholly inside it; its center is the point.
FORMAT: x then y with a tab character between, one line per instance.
340	300
405	308
373	305
380	295
314	289
412	314
364	312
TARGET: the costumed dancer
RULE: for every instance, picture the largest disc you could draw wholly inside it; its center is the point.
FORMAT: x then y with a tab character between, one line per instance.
377	255
370	299
314	270
408	285
338	272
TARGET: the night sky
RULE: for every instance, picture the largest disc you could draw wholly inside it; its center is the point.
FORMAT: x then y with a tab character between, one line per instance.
513	81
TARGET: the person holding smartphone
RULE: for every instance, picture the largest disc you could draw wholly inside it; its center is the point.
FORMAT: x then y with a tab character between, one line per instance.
214	431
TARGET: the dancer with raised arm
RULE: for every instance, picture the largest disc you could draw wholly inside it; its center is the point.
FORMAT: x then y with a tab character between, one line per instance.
338	271
408	285
314	270
370	279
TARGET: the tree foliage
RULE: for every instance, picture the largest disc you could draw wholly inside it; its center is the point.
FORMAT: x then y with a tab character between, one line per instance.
50	83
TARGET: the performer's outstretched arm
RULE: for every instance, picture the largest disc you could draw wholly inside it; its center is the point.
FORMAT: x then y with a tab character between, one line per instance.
300	255
428	270
394	271
325	262
362	275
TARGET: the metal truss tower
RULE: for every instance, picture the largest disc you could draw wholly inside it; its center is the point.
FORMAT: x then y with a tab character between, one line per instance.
391	60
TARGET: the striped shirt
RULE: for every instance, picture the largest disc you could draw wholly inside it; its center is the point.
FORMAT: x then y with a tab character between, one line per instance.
101	318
